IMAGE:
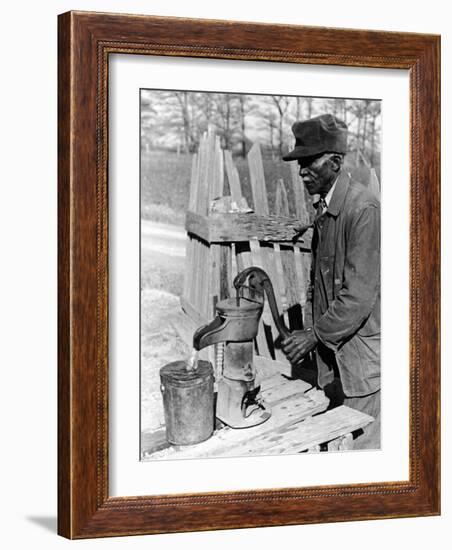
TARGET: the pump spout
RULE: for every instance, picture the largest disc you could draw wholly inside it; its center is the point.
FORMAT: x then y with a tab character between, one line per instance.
233	323
209	334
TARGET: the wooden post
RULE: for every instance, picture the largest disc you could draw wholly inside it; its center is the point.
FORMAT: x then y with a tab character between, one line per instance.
374	184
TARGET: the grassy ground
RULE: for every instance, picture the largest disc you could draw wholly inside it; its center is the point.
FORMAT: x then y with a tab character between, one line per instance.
162	272
166	175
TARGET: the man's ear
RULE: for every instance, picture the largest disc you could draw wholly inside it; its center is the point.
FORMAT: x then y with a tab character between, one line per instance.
336	162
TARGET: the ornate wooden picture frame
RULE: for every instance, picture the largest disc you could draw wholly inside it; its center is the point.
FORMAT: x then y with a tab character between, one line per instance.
86	40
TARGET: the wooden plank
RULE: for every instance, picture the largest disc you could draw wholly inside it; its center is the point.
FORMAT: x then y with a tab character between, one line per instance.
299	194
281	202
313	431
374	184
207	173
274	392
198	276
204	278
190	247
193	312
188	272
211	168
286	255
218	176
153	441
215	263
193	183
292	284
302	271
267	367
269	266
201	195
277	389
233	177
193	284
257	179
243	255
221	227
225	271
229	442
261	338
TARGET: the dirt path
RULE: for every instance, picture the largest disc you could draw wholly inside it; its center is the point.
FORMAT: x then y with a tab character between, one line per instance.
163	238
162	271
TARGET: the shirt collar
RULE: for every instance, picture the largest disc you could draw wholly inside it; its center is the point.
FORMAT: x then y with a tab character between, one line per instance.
328	196
337	197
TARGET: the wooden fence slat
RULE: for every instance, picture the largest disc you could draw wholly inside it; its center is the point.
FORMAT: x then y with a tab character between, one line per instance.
374	184
225	271
243	255
262	342
269	262
293	284
193	183
301	210
282	202
195	285
188	267
257	180
300	267
217	189
233	177
215	172
202	198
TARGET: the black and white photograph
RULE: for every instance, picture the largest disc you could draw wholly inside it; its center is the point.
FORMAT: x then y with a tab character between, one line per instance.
259	274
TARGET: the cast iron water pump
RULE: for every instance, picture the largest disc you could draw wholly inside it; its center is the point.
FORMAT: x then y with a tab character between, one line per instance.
239	403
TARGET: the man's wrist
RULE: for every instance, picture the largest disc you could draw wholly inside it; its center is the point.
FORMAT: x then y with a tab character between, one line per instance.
312	333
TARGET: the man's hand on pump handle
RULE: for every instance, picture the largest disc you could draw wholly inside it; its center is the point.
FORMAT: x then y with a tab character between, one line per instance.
299	344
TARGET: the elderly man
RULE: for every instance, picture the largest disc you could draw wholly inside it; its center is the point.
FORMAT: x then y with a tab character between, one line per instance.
345	274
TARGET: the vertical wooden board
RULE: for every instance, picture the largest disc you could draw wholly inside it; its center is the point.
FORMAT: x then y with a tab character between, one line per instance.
258	188
218	177
262	342
234	265
210	169
200	278
194	275
233	177
202	195
292	284
206	279
193	183
282	209
215	170
300	268
243	255
299	194
225	270
269	261
215	263
282	202
188	272
374	184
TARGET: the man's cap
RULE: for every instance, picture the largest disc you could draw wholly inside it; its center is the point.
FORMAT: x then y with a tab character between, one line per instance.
321	134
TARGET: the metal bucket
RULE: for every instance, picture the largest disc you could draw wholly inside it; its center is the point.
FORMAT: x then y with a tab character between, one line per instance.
188	402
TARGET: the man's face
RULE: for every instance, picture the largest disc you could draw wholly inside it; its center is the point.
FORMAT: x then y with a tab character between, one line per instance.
318	173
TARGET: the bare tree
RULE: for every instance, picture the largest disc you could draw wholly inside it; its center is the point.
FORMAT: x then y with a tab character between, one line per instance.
281	104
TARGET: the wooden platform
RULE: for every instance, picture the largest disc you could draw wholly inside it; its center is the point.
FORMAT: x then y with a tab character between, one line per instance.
292	428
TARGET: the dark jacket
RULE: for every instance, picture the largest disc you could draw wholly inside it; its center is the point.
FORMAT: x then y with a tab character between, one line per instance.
346	288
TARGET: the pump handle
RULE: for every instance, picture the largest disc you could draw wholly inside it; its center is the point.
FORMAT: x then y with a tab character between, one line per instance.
260	281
